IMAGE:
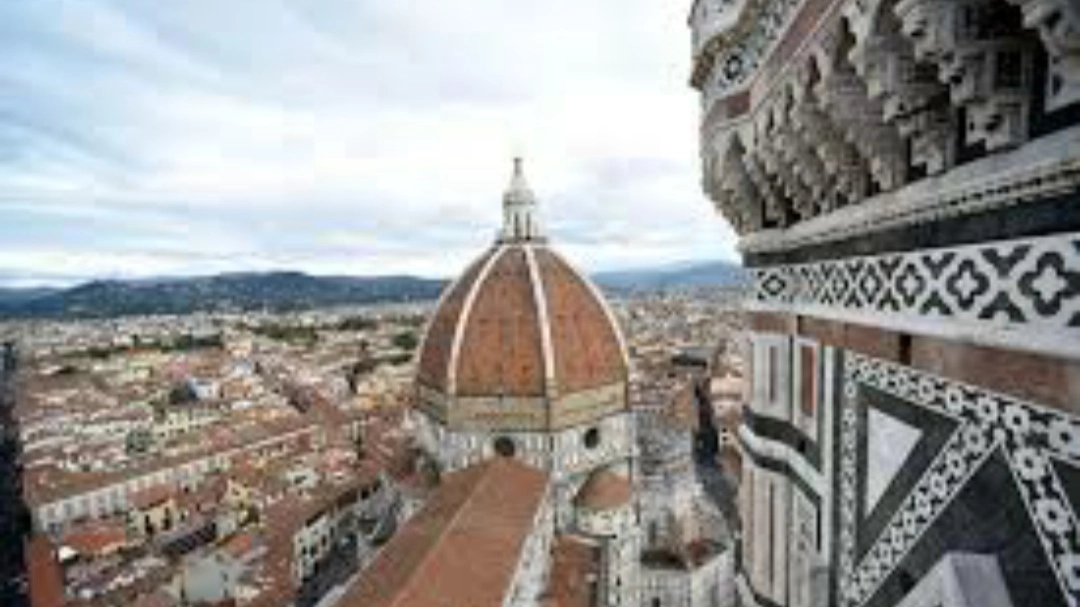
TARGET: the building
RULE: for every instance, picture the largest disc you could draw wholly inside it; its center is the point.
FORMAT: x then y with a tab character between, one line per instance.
686	556
522	412
904	176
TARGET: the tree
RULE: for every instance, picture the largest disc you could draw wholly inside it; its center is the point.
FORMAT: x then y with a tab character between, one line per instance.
405	340
139	441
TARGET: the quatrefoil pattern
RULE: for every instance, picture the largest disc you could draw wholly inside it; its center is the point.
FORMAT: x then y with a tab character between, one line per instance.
1028	283
1032	438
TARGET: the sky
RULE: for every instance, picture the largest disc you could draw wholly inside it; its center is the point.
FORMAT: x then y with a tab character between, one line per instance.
149	138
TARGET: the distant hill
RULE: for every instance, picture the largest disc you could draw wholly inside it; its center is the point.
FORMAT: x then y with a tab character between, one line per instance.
681	275
243	291
281	291
18	296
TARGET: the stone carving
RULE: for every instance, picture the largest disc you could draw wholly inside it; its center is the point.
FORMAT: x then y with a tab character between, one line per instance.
801	154
911	96
773	159
746	44
737	195
949	197
775	205
884	92
841	160
843	97
709	19
1058	23
981	53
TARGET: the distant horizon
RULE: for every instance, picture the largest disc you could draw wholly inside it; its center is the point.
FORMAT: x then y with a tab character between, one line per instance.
60	284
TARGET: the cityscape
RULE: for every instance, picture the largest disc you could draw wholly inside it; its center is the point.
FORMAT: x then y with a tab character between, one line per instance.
565	392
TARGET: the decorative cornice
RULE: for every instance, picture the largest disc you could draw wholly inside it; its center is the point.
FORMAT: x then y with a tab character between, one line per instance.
1043	168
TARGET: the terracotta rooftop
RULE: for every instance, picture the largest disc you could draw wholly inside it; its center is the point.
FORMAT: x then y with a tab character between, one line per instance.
490	332
46	484
97	538
604	490
152	496
575	565
43	573
462	548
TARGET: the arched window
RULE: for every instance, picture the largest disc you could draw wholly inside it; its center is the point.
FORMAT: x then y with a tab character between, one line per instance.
591	438
505	447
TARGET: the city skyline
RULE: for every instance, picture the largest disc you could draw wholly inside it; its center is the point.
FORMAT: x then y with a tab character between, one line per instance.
340	138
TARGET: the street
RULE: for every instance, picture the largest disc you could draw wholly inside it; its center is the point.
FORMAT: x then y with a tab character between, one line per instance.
13	513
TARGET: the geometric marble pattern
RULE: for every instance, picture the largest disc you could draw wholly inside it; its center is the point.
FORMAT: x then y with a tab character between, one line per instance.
889	442
1033	439
1033	282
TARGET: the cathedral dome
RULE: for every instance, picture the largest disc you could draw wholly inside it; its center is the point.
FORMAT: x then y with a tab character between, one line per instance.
604	490
521	340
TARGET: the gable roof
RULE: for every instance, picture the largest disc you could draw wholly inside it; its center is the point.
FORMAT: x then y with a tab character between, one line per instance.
462	548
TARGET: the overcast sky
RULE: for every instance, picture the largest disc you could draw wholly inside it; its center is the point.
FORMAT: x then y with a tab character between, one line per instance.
153	137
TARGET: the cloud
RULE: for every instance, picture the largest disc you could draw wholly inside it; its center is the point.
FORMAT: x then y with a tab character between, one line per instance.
341	136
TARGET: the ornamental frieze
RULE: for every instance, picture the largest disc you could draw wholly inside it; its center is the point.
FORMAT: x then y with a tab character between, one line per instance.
1024	293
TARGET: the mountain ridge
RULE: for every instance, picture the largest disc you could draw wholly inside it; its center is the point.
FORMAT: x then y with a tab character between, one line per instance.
287	290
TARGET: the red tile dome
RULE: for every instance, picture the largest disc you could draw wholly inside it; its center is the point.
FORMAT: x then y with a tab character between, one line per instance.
521	340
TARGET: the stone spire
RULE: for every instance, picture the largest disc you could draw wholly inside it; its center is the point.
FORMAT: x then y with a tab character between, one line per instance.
520	222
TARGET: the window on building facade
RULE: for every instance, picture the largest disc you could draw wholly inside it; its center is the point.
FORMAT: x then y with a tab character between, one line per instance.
504	446
592	438
773	374
808	380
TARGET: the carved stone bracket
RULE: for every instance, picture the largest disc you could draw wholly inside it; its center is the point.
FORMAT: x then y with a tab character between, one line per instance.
773	201
844	99
777	163
912	98
980	52
1058	23
800	153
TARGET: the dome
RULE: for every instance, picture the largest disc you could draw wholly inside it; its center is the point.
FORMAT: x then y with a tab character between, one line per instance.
521	340
604	490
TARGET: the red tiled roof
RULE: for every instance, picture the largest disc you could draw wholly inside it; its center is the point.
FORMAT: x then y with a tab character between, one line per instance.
575	565
604	490
239	544
462	548
96	538
43	573
152	496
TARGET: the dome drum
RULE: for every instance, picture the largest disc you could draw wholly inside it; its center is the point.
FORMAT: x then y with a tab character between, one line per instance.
568	452
522	413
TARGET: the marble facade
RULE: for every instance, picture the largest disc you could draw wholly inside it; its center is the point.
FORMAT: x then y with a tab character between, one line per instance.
904	177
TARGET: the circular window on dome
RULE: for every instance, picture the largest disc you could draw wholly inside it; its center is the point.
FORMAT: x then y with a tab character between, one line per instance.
505	447
592	438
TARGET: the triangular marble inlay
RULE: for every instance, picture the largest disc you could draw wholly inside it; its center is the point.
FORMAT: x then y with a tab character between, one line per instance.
889	443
